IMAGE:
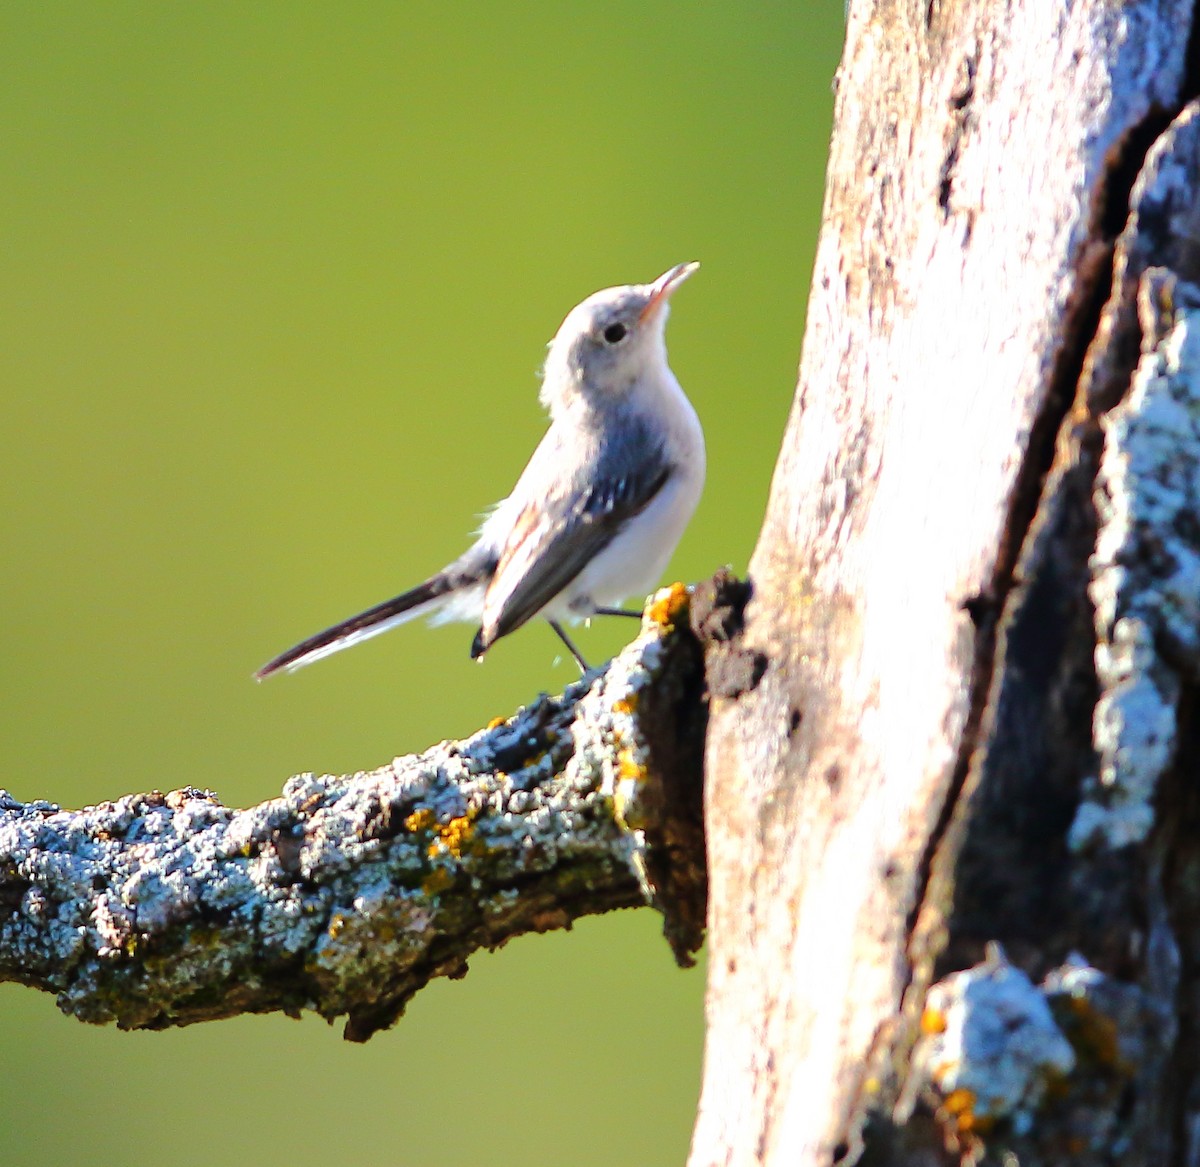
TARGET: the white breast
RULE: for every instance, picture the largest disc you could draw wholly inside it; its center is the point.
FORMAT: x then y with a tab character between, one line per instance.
633	563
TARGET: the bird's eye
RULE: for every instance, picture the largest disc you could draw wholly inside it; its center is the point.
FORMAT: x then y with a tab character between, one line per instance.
615	333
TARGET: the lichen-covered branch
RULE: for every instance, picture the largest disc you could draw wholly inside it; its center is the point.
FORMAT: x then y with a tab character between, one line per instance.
348	893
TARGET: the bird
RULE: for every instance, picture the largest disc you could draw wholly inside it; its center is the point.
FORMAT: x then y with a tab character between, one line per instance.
601	505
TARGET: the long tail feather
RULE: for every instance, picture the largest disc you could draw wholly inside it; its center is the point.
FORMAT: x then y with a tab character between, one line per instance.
411	604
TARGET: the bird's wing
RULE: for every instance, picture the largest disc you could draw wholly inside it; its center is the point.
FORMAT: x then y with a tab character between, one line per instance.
546	549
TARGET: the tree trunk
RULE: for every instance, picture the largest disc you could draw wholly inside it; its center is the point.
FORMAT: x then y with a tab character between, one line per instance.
958	711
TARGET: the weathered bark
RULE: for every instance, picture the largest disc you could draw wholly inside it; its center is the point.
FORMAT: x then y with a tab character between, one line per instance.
910	770
349	893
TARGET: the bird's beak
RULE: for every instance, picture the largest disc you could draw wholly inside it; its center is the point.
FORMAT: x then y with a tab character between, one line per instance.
661	289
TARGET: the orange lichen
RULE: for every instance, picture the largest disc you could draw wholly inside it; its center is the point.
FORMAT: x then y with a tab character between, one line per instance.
959	1101
627	705
933	1021
628	806
496	721
421	820
960	1106
667	608
451	835
456	832
628	767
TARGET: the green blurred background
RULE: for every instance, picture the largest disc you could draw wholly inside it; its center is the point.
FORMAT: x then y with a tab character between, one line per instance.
275	282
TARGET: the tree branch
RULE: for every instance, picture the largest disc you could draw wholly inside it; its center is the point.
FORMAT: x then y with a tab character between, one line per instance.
348	893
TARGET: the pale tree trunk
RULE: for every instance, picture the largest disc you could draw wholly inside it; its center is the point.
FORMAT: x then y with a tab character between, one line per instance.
960	710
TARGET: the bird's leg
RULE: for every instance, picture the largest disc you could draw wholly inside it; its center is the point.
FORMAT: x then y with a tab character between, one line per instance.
637	615
583	665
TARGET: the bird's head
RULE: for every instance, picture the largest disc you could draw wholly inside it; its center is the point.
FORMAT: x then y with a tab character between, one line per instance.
611	341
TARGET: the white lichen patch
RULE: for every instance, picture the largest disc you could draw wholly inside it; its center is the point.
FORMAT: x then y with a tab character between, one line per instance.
1146	568
990	1045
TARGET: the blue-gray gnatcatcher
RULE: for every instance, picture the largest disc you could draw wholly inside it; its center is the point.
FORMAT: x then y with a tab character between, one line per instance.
602	504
